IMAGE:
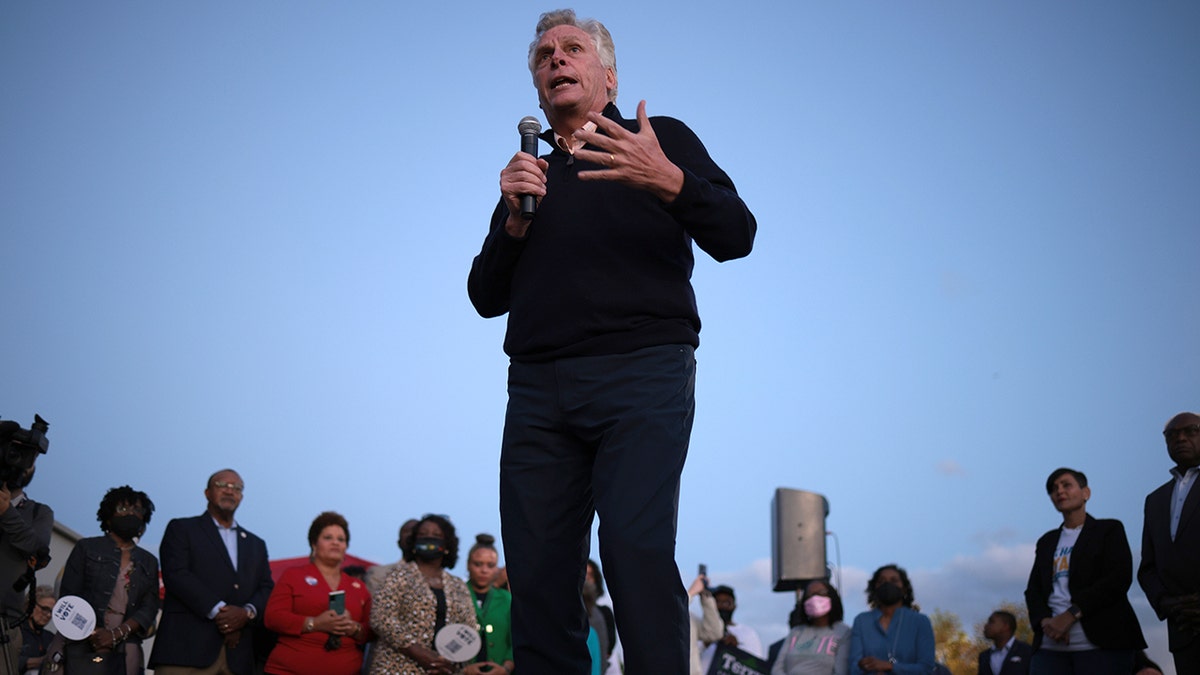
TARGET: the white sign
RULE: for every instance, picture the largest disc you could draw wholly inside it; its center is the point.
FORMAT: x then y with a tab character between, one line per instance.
457	642
74	617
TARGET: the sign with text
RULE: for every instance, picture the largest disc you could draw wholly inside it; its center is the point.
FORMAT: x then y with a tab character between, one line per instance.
733	661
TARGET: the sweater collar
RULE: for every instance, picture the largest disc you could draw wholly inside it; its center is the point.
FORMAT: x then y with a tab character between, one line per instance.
550	136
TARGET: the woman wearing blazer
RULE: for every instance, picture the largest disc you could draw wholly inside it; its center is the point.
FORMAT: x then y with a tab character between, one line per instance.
1078	589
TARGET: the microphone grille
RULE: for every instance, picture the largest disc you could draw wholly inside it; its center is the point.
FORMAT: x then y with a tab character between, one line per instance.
529	125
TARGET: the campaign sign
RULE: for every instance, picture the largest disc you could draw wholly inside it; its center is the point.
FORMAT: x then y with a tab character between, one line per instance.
457	642
733	661
73	617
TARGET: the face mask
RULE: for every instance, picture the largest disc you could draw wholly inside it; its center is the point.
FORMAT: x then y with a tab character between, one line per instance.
888	594
726	615
429	548
125	527
817	606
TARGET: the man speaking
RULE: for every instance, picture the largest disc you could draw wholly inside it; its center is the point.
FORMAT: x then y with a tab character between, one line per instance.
602	324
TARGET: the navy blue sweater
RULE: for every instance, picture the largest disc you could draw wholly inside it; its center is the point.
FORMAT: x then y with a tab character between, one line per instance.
605	268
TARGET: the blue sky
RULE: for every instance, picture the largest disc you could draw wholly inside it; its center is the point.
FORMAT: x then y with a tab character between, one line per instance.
238	234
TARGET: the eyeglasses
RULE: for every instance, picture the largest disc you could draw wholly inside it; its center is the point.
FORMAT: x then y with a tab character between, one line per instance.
227	486
1189	431
45	608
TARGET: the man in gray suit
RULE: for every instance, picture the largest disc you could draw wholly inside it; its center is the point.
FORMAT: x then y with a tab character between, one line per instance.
1170	568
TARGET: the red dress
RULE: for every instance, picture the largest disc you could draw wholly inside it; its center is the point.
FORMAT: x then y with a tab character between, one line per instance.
302	592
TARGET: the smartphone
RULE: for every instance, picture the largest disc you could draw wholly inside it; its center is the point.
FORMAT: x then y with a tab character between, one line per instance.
703	570
337	601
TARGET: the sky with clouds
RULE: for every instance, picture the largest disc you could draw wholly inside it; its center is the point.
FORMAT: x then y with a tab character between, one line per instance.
239	235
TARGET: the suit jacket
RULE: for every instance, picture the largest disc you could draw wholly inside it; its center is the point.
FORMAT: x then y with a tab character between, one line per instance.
197	574
1170	567
1101	573
1016	663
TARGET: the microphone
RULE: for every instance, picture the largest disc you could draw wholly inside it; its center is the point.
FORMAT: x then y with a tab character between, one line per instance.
529	128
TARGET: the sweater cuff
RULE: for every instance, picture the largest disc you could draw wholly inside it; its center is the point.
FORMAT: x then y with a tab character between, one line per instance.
689	193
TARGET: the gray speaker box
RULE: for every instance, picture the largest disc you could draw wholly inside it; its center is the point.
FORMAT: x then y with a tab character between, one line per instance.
797	538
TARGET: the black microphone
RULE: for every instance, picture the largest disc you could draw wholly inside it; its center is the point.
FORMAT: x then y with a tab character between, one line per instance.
529	128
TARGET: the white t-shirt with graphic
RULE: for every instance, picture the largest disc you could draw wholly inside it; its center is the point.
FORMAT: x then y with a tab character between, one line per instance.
1060	596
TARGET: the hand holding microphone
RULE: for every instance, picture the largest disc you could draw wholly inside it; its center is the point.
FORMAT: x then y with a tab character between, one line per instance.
529	129
523	181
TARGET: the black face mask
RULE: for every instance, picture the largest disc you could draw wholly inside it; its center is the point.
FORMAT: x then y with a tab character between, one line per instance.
429	548
125	527
887	594
726	615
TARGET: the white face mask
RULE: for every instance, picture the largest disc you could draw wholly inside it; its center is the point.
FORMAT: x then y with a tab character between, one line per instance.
817	606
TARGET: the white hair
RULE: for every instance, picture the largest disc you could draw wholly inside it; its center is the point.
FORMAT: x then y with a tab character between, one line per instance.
599	34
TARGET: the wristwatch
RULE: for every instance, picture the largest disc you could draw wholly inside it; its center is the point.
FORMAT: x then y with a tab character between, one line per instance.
1075	611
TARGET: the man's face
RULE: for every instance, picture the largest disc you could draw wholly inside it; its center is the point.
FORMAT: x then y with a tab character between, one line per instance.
568	74
224	493
1182	435
725	602
994	627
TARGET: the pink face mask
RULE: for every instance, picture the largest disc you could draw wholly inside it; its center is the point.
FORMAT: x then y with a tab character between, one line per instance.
817	606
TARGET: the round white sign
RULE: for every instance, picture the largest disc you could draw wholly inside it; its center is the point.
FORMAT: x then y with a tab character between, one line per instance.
457	642
73	617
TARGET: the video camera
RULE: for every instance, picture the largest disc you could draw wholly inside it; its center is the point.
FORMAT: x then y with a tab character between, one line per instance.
19	448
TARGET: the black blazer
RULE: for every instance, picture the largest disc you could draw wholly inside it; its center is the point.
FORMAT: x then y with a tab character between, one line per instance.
1101	573
1016	663
1170	567
197	573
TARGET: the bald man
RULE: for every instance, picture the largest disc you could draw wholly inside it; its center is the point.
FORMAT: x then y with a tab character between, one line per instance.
1170	568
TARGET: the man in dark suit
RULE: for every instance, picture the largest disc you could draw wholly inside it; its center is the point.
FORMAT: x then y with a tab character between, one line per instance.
1170	568
1009	656
217	581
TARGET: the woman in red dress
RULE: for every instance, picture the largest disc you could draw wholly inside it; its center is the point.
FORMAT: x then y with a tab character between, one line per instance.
313	638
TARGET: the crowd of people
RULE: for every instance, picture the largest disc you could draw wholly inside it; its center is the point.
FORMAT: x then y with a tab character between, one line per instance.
222	613
1077	595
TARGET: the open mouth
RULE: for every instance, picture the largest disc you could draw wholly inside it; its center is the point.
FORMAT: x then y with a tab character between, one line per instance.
561	81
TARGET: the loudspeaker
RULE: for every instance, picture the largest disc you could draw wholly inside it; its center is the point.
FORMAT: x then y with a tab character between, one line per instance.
797	538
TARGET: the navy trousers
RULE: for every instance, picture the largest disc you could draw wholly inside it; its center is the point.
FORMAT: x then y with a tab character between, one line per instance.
607	436
1090	662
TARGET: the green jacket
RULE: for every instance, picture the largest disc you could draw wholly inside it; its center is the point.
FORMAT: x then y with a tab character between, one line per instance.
495	624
